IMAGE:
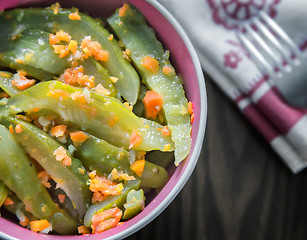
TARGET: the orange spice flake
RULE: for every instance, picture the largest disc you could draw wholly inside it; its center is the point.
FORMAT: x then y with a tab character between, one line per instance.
74	16
11	129
135	139
74	76
39	225
58	131
93	49
150	64
78	137
106	219
61	155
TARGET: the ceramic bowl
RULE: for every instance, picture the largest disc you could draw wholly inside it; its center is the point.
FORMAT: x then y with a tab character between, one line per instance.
185	60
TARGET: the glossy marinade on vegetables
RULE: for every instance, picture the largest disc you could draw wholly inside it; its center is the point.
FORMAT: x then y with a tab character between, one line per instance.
82	140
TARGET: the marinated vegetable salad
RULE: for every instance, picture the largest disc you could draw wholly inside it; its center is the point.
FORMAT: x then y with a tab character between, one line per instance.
82	138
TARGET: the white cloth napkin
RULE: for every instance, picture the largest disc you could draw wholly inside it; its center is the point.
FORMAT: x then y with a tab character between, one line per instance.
210	25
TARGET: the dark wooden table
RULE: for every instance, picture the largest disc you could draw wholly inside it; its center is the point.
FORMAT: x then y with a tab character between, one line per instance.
240	189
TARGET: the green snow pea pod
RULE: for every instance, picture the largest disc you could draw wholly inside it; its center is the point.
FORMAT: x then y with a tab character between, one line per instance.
32	49
97	154
3	193
6	83
153	176
14	22
18	208
140	39
102	116
110	201
45	150
19	175
135	203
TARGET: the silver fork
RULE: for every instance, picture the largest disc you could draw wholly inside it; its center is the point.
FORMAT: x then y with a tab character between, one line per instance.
278	56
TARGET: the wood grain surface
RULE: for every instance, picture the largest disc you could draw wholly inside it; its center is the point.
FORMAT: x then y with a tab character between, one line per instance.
240	189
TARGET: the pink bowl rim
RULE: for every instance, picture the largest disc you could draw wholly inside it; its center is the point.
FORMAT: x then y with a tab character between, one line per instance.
189	166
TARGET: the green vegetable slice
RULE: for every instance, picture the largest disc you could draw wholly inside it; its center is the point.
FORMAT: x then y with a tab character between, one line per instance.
6	83
135	203
140	39
3	193
128	83
110	201
97	154
104	117
19	175
43	148
153	176
33	51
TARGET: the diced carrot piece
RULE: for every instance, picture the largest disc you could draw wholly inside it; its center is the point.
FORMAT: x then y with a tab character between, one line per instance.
61	197
11	129
112	120
18	128
23	84
67	161
83	230
138	167
25	222
53	39
58	131
151	64
135	139
39	225
64	53
36	109
152	103
57	93
110	38
168	71
127	105
123	10
192	118
20	61
73	46
63	36
165	131
74	16
98	197
106	219
190	108
78	137
8	201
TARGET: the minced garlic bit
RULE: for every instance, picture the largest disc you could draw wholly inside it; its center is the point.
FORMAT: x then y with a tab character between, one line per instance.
102	90
114	79
126	54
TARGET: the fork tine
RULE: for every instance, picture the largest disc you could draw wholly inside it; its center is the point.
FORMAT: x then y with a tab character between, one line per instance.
272	39
261	43
253	51
283	35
